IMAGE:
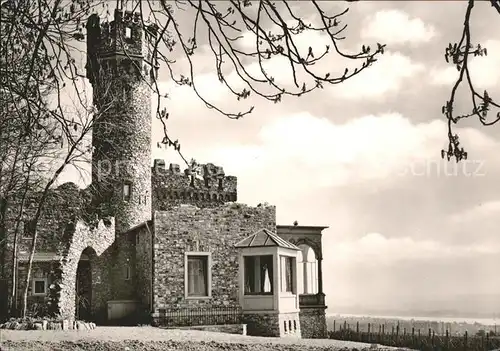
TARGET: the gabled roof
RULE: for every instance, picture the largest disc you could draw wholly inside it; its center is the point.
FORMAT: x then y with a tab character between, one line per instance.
264	238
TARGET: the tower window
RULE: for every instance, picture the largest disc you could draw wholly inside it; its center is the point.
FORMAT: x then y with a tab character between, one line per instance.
127	272
128	33
127	190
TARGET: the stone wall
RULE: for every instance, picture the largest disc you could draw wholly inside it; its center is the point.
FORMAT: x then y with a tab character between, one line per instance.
239	329
214	230
313	322
143	267
64	205
100	241
207	186
37	304
262	324
273	324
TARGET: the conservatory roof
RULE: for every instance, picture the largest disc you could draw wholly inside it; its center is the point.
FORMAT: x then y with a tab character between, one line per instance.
264	238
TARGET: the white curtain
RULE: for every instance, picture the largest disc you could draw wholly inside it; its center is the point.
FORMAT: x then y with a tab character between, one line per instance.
267	280
197	277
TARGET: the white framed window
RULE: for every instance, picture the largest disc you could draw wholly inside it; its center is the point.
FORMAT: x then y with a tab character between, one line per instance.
198	275
39	286
258	275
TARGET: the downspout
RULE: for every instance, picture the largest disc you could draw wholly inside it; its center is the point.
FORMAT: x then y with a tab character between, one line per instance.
152	268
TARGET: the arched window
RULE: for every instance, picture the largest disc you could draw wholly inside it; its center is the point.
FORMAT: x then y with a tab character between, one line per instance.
307	270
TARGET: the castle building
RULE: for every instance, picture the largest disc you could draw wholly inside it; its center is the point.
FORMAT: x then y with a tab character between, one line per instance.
142	242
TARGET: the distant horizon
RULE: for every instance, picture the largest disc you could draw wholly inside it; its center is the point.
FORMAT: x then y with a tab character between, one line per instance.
441	316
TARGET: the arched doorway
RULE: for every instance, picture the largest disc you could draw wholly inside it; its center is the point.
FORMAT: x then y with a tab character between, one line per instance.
83	293
307	270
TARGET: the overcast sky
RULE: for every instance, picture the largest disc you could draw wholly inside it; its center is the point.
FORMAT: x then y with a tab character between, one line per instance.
363	157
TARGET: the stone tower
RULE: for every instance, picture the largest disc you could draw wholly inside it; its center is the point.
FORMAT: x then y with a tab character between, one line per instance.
120	68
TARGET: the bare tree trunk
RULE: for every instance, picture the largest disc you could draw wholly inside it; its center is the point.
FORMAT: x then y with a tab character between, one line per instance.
41	203
3	224
4	306
13	280
13	297
28	276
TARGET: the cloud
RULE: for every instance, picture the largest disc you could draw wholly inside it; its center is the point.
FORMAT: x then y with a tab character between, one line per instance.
490	209
375	246
386	76
301	152
396	27
484	70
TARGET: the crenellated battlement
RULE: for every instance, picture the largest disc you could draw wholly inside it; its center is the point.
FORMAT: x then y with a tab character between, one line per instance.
123	39
207	186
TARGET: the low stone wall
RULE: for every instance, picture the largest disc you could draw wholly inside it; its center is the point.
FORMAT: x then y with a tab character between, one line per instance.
313	323
47	325
262	324
273	324
239	329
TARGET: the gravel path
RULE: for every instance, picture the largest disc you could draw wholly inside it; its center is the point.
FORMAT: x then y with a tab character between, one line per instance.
151	335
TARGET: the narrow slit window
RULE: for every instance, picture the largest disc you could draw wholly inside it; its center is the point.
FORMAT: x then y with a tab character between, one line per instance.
127	272
128	32
127	190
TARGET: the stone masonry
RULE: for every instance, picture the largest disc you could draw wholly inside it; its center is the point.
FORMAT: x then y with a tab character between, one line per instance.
209	187
143	275
63	230
120	74
313	322
214	230
273	324
99	239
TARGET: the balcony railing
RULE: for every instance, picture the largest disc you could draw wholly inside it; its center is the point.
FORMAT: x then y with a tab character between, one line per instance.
198	316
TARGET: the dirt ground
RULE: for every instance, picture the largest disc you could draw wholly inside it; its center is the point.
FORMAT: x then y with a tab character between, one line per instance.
155	339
